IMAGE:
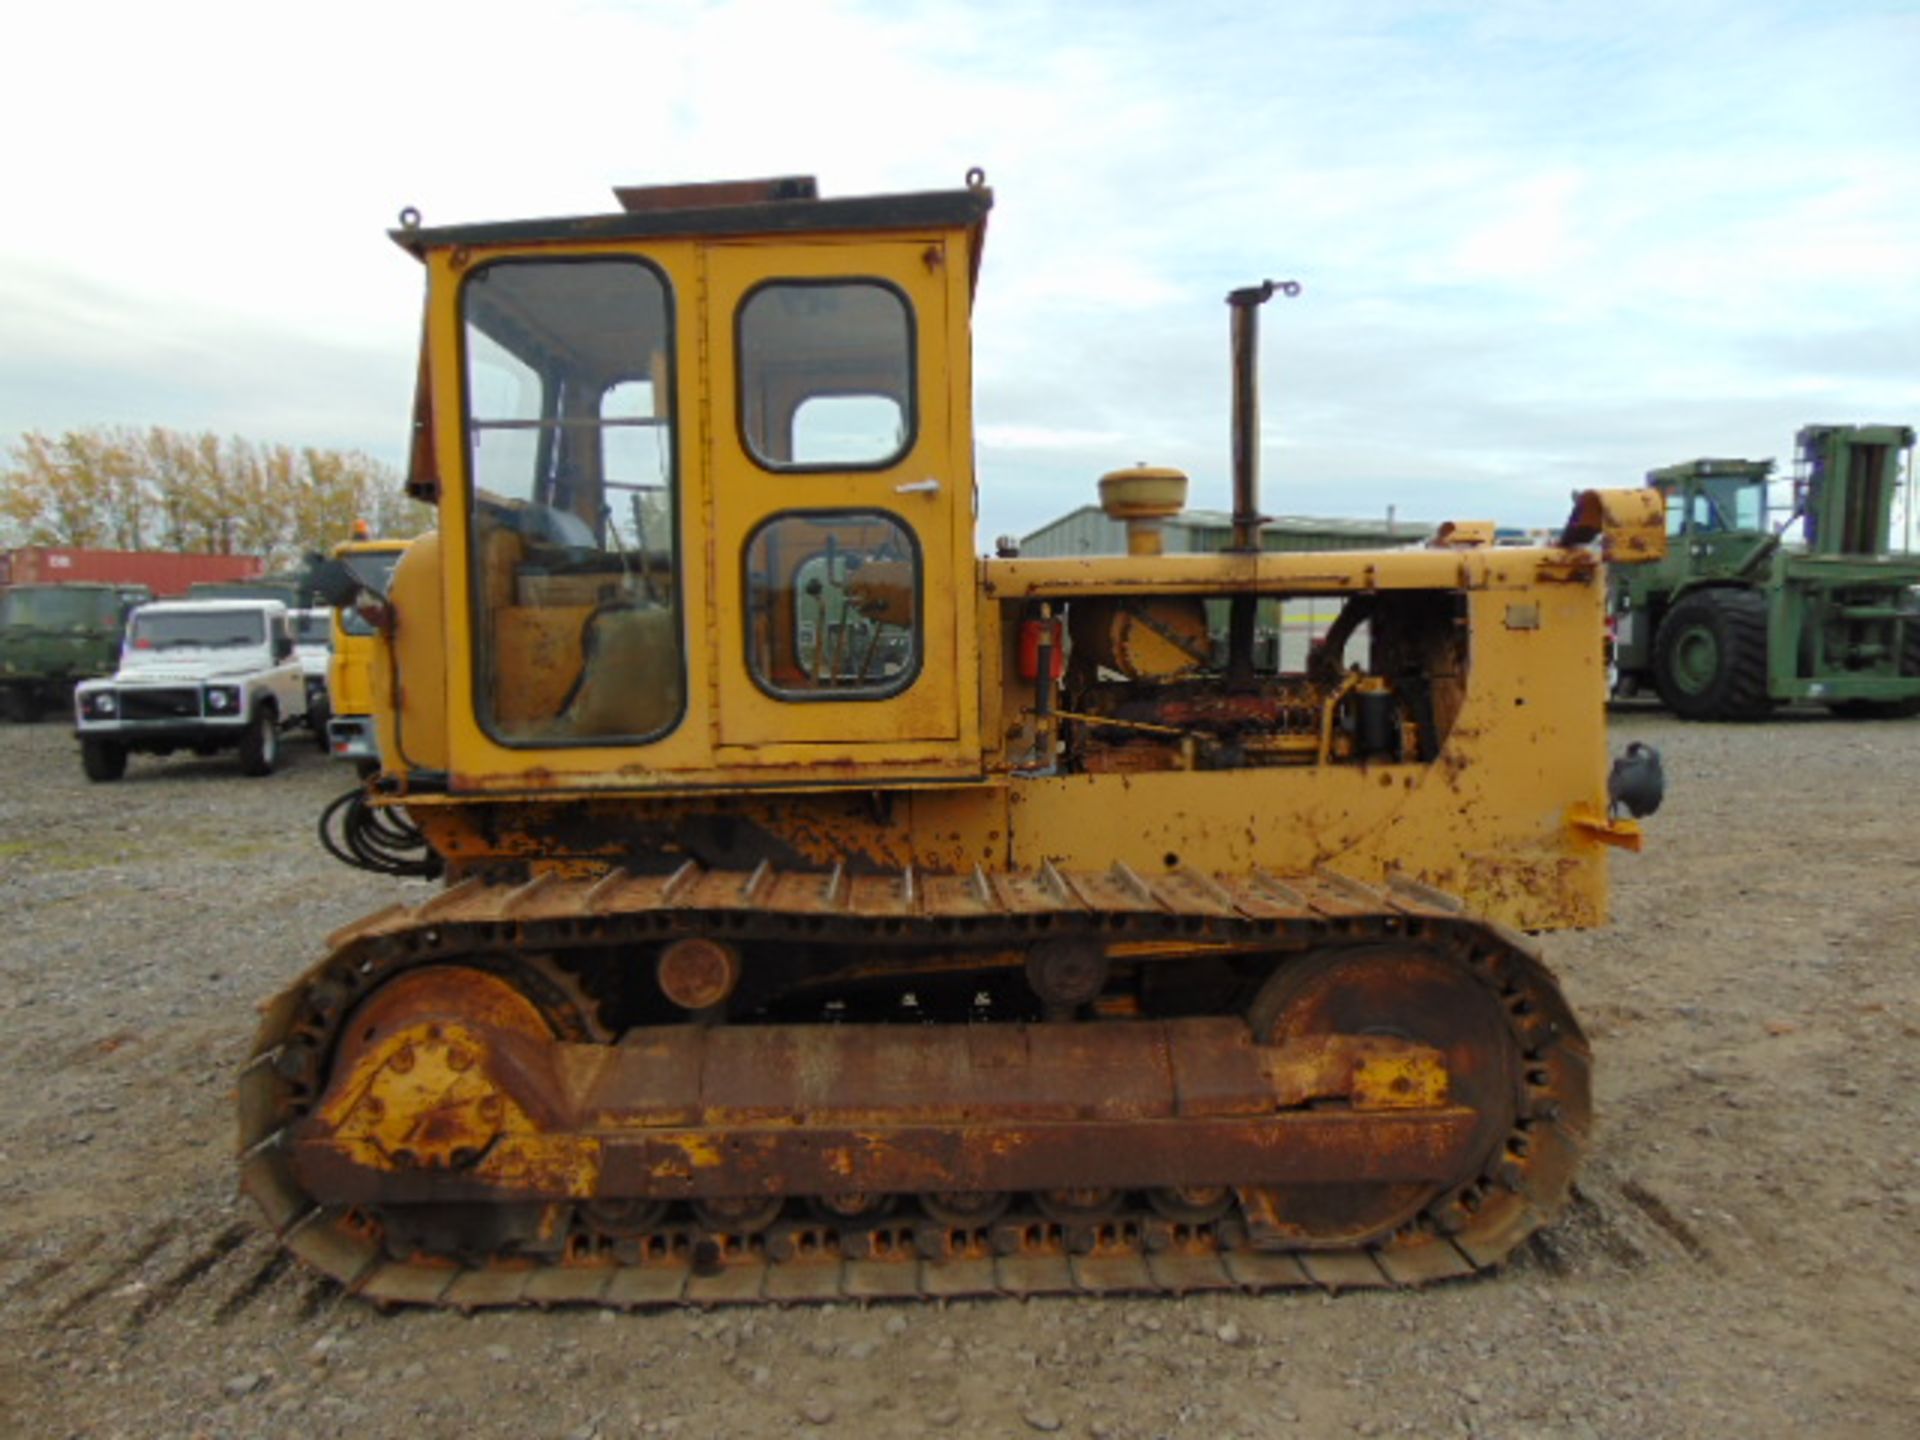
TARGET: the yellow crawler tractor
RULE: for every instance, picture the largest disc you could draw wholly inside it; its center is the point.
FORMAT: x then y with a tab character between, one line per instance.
829	911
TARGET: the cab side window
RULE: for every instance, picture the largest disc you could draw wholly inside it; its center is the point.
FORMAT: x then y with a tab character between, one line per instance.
576	595
826	375
833	603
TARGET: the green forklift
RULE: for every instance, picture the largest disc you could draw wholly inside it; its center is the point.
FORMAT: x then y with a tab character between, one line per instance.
1757	605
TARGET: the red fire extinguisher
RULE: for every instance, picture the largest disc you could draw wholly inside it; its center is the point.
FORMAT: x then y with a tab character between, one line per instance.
1036	635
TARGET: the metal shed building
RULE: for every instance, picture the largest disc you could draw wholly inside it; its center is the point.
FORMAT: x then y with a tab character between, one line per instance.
1286	628
1089	531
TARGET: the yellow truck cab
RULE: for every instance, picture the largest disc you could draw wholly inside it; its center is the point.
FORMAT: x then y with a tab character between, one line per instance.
350	729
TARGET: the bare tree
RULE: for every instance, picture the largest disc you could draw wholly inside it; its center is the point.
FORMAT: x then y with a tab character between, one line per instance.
119	488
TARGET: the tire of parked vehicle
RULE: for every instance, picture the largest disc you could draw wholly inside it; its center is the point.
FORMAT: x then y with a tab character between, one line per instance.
1710	656
103	760
318	714
260	746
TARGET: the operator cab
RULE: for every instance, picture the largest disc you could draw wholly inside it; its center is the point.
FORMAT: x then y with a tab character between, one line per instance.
1714	497
738	402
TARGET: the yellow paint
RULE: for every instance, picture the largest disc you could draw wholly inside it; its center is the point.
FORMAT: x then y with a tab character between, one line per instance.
1409	1080
415	1072
701	1151
1631	525
1623	834
1371	1072
1464	534
424	1097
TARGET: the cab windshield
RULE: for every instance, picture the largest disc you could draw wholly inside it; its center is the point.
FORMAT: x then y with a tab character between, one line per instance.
198	629
570	454
1730	505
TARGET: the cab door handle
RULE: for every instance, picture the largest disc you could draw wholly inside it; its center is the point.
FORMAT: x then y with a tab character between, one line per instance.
928	486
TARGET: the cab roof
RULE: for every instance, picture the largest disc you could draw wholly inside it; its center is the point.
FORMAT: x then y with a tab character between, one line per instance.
788	205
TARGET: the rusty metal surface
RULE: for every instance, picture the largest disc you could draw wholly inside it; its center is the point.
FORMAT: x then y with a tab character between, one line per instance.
1631	525
1294	1149
1088	895
1023	1252
449	1088
697	972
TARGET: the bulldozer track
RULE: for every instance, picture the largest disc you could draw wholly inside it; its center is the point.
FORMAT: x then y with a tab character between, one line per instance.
1469	1228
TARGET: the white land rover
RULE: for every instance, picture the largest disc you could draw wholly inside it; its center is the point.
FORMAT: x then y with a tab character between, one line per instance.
199	675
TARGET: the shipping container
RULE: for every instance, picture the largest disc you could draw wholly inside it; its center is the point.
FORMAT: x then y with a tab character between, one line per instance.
161	571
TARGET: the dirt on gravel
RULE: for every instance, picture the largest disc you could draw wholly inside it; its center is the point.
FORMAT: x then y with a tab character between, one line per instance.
1742	1256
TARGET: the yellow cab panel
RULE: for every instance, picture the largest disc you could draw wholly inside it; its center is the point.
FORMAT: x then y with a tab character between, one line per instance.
842	515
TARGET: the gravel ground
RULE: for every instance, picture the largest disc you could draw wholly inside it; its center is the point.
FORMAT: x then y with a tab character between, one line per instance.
1743	1256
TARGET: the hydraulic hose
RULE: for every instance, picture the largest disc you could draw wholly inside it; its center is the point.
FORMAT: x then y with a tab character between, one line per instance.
377	839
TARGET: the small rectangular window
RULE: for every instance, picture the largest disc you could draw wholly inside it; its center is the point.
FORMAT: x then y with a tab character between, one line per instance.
833	600
826	375
1676	513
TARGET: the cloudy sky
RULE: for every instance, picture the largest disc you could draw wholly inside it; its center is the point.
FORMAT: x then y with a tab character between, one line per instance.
1544	245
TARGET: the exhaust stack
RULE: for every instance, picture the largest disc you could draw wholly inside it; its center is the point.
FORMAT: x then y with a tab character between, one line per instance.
1247	518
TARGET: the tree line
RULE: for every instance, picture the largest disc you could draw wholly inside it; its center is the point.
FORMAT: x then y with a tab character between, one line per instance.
122	488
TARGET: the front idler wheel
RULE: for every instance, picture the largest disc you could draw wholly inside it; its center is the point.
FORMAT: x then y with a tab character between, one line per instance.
1409	992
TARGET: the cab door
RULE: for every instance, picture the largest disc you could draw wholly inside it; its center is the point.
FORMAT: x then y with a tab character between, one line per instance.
842	511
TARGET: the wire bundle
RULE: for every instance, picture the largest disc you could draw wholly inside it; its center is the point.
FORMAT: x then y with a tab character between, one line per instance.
377	838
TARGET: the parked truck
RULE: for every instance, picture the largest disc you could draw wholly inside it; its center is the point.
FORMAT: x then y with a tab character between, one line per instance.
1758	604
54	636
350	734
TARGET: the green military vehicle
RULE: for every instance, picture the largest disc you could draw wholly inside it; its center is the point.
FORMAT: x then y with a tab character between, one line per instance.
54	636
1756	606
